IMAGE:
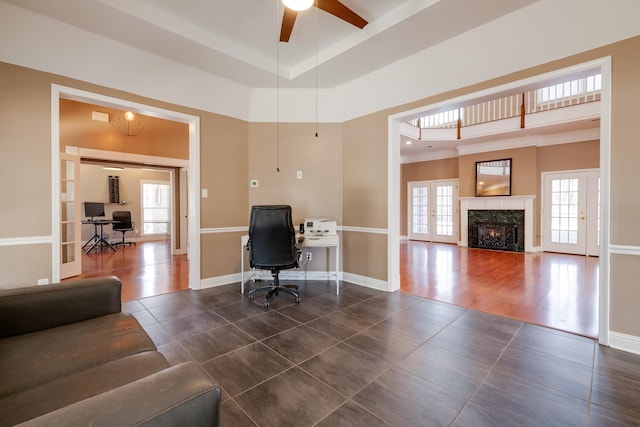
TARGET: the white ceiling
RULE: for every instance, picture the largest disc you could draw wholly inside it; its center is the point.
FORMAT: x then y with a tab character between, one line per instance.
237	40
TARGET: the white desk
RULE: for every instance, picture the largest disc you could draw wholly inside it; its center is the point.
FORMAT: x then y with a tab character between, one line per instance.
309	242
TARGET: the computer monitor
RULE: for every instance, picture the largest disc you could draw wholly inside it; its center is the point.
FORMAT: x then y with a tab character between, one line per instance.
93	209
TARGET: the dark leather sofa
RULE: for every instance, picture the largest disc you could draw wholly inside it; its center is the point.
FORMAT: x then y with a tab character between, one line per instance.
69	356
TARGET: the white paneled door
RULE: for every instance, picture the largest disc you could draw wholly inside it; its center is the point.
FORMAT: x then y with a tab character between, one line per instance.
433	211
70	216
571	212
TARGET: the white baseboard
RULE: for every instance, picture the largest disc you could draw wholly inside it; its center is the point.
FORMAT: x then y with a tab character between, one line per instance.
299	275
630	343
369	282
212	282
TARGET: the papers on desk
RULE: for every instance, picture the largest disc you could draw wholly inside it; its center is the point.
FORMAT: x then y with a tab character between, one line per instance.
320	232
320	241
320	227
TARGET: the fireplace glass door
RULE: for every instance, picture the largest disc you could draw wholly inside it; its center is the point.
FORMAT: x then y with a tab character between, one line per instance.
433	211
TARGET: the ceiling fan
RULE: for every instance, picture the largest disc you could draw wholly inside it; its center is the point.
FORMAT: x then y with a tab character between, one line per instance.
333	7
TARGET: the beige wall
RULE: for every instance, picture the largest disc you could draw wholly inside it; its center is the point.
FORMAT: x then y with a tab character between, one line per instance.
625	174
158	137
364	194
578	155
293	147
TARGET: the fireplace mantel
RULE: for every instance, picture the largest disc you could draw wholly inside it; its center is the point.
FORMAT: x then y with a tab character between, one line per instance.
498	203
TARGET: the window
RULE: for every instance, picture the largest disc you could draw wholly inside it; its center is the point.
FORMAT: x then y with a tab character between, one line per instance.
420	210
443	119
574	88
155	207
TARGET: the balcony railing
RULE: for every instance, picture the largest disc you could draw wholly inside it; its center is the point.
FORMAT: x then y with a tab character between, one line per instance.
565	94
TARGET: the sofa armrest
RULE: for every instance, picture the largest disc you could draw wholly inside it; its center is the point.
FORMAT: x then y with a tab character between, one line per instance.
34	308
180	395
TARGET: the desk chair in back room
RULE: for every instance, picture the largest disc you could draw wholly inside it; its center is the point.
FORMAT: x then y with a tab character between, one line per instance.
272	246
122	223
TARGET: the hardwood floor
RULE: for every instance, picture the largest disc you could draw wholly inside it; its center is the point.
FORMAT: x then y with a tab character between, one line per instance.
147	269
555	290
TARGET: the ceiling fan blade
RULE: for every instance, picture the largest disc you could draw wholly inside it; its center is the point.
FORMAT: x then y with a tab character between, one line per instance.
288	19
341	11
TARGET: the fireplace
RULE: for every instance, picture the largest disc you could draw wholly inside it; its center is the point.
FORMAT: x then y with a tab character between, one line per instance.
496	229
521	203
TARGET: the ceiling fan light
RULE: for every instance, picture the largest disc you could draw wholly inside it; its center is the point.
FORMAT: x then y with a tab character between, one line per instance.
298	5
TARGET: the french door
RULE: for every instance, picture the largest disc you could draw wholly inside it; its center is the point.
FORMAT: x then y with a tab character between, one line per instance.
433	211
571	206
70	216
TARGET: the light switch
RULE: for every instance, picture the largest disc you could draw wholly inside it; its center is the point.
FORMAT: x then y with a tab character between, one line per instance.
205	193
255	183
299	175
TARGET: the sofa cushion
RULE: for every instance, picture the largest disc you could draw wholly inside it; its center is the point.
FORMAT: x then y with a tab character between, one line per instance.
182	395
33	359
34	308
78	386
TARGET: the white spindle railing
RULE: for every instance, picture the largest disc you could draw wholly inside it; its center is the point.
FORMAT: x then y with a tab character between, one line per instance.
573	92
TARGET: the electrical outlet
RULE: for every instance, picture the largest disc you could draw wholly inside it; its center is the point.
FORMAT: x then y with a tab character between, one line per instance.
309	256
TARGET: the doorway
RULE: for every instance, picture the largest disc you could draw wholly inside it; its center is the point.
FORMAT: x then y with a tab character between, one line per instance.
193	214
433	212
571	203
396	121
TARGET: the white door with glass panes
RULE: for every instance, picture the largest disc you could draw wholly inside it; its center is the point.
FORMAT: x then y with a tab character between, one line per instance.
70	217
571	206
433	211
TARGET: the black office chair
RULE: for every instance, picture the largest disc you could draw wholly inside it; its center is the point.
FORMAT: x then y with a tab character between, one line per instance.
272	246
122	223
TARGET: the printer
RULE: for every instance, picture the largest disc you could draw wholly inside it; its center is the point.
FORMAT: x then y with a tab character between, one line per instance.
320	232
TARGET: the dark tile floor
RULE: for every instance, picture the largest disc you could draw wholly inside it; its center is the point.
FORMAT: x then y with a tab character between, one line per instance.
370	358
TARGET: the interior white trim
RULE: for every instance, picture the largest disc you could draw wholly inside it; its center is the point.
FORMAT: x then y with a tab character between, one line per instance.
118	156
193	226
624	250
624	342
212	282
393	170
369	282
605	201
224	230
29	240
363	229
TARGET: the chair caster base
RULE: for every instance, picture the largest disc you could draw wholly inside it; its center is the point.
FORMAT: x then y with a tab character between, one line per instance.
273	290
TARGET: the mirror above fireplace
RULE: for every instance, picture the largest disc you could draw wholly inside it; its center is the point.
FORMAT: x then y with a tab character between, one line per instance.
493	178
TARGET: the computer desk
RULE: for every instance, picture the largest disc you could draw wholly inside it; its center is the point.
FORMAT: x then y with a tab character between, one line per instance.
308	242
97	237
